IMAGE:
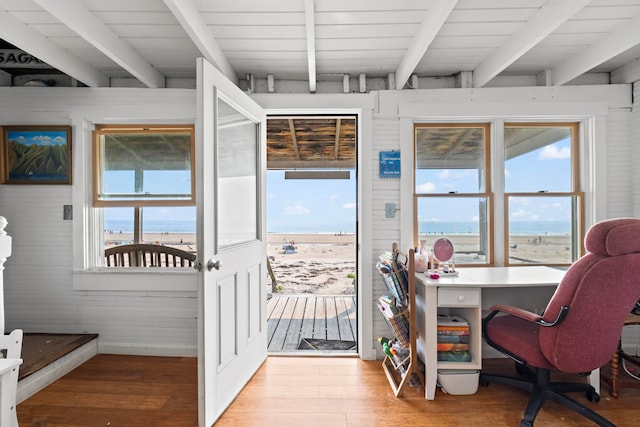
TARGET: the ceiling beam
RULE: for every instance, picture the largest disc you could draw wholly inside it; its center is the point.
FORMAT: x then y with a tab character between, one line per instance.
75	15
429	28
189	17
336	149
310	26
546	20
294	139
311	164
20	35
629	73
606	48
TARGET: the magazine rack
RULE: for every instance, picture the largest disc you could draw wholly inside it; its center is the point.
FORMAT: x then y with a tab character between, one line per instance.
401	373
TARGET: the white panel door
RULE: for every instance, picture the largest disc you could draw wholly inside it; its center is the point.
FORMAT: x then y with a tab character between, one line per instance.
231	162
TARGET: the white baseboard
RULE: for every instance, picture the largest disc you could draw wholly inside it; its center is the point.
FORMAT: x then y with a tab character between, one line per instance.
146	350
54	371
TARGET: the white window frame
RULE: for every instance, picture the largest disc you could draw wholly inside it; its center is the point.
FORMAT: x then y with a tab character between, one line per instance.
87	220
591	117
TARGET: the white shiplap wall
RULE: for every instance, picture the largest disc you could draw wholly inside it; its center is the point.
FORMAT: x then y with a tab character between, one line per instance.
386	136
612	104
39	275
631	334
619	164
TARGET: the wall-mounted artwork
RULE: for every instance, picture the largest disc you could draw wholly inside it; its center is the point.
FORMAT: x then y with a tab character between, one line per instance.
36	155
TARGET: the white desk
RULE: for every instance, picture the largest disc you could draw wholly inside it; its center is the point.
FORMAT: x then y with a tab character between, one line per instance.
462	295
8	386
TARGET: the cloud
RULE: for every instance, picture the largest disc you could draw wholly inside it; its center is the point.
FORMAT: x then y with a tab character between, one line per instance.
42	139
507	174
350	205
551	152
427	187
59	140
296	210
525	215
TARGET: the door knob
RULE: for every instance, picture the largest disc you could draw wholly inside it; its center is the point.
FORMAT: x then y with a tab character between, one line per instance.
211	264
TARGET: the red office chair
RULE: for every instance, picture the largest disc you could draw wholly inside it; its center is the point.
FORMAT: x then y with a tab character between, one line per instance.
581	326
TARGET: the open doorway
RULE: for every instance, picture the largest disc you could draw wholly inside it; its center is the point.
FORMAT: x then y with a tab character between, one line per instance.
311	234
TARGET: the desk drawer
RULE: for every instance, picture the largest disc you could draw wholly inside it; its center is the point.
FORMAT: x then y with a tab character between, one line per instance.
458	297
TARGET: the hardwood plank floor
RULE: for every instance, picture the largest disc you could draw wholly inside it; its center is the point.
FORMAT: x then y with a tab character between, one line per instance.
137	391
109	390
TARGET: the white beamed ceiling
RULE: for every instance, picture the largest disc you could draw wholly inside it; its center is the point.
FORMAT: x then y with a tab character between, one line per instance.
154	40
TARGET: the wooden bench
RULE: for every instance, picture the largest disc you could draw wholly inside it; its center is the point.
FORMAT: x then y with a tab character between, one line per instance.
147	255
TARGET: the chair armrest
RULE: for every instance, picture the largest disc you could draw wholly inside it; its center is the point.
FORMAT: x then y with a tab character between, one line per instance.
516	311
526	315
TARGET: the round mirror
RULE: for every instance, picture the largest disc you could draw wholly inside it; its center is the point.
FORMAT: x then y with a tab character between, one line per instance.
443	250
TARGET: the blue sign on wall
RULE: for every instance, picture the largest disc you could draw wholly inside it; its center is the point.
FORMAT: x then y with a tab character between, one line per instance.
390	164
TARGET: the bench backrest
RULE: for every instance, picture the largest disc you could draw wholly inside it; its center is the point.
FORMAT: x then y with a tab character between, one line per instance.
147	255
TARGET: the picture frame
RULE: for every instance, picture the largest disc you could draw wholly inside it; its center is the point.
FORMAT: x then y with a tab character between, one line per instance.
35	155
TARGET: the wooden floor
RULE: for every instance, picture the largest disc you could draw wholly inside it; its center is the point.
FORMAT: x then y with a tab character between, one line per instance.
291	318
118	391
137	391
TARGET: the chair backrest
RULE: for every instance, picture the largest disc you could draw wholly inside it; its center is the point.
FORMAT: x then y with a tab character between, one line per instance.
11	345
600	290
147	255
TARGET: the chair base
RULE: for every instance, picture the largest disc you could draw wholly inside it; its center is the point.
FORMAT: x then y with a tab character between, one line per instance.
539	384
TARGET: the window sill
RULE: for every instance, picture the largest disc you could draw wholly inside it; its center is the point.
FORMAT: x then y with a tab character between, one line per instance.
132	279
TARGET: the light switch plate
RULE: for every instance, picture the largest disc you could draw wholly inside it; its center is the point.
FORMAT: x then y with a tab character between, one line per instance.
67	212
390	210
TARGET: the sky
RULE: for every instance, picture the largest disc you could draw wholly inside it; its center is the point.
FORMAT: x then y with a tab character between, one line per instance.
329	206
323	205
547	169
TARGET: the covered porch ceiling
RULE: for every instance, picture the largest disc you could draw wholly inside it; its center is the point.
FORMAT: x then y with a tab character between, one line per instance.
311	142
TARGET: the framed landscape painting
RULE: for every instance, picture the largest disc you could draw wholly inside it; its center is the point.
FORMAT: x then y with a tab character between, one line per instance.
36	155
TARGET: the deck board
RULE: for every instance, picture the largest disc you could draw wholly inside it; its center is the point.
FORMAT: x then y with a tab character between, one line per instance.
345	309
294	317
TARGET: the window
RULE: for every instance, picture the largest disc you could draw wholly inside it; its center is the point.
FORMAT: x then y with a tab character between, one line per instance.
452	188
543	205
538	177
144	185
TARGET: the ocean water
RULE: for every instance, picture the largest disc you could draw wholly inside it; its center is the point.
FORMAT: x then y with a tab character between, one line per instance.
526	228
523	228
152	226
186	226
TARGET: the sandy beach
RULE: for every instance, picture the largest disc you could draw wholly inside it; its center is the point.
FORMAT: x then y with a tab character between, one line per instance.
325	264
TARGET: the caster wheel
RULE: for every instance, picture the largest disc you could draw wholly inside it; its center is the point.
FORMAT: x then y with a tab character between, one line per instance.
593	396
524	423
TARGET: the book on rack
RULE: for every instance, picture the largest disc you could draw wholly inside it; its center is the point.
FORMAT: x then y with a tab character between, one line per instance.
387	306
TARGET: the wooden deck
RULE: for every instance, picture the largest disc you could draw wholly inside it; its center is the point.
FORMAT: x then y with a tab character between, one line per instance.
291	318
